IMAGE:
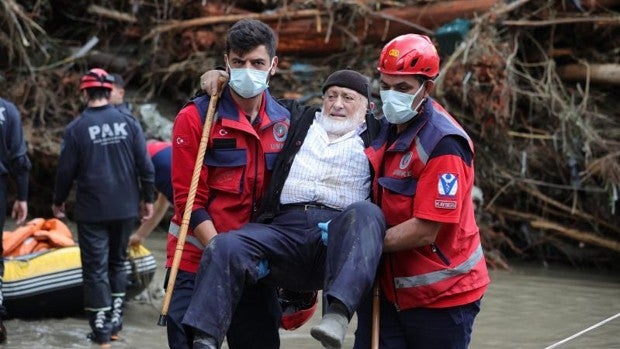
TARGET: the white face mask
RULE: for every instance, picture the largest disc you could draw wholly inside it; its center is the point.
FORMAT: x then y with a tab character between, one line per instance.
397	105
248	82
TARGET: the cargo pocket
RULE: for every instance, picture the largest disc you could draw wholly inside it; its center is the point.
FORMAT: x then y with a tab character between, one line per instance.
397	198
226	169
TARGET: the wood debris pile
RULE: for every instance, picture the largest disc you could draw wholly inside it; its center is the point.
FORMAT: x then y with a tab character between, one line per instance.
534	82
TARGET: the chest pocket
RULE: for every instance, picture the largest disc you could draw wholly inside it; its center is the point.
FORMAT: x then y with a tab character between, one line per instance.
397	198
226	169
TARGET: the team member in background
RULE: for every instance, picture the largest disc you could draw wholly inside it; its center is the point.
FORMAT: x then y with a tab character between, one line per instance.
104	152
434	272
117	96
14	162
245	138
161	156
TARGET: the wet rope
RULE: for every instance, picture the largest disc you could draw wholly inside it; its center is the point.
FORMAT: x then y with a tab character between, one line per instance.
582	332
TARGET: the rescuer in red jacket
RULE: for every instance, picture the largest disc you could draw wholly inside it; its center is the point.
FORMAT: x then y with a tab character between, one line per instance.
433	272
248	132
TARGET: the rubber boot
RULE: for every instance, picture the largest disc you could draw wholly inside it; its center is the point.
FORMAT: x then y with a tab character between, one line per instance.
116	318
100	324
331	330
333	326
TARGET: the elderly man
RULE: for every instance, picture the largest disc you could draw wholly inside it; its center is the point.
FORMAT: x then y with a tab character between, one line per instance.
322	175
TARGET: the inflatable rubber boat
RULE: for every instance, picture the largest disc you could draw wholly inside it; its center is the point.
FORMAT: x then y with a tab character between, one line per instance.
43	271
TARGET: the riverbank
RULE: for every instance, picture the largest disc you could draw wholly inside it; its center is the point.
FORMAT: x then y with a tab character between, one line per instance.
529	307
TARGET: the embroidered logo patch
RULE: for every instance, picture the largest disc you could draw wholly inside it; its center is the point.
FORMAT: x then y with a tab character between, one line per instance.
180	141
405	160
445	204
448	184
280	130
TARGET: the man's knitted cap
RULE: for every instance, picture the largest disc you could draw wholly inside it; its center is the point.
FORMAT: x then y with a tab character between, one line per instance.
349	79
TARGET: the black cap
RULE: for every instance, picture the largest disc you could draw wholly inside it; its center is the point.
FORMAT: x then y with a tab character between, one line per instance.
118	80
349	79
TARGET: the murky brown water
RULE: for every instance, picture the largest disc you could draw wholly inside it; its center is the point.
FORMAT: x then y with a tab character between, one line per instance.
527	308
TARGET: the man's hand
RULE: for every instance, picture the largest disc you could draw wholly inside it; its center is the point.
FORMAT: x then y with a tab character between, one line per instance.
205	231
209	81
262	269
135	240
59	210
20	211
324	227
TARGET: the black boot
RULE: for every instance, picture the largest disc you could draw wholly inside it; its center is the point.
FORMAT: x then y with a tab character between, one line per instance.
117	317
203	341
100	324
2	332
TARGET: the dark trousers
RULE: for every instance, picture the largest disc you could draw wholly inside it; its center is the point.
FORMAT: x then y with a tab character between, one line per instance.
178	338
103	250
418	328
345	268
255	322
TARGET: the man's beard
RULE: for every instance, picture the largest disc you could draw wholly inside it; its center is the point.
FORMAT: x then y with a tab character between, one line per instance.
341	126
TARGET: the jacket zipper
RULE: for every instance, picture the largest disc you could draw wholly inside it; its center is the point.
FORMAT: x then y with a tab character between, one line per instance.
254	207
440	254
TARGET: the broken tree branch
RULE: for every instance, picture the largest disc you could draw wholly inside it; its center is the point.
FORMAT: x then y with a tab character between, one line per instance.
596	73
197	22
579	235
111	14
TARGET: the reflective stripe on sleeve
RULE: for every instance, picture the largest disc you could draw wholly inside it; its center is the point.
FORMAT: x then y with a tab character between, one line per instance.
174	229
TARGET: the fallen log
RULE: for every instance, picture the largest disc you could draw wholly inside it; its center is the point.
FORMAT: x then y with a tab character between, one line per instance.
578	235
595	73
316	32
198	22
540	223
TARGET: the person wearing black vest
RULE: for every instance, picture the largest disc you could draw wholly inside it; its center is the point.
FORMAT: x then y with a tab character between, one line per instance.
104	153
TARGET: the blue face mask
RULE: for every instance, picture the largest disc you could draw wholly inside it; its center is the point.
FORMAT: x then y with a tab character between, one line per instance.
248	82
397	105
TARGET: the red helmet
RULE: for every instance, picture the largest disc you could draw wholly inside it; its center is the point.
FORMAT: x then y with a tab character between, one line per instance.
96	77
409	54
297	307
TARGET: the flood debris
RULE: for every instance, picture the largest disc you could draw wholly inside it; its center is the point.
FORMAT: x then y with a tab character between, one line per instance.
534	82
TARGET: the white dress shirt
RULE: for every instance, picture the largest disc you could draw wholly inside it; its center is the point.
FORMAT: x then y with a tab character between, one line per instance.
333	173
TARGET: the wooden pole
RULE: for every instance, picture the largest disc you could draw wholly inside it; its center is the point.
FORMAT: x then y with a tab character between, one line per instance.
202	148
374	339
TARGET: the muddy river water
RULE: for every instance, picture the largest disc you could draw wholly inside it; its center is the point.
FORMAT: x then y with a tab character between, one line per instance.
529	307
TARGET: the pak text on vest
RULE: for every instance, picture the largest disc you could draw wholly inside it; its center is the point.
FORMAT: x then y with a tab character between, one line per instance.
107	131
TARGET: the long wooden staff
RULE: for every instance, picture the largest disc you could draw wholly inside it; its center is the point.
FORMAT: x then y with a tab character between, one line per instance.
374	339
202	148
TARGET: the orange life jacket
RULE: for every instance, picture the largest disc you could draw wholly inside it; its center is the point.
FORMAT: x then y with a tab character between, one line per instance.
37	235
